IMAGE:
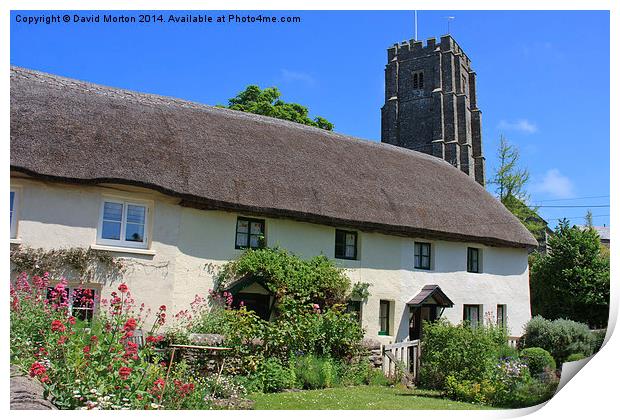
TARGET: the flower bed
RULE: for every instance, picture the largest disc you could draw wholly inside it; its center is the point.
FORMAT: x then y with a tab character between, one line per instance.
97	364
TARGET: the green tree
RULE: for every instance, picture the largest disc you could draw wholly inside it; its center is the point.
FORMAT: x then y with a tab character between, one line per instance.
267	102
572	280
510	180
589	222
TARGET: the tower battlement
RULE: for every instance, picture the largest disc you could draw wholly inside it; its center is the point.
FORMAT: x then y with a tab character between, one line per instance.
431	105
406	50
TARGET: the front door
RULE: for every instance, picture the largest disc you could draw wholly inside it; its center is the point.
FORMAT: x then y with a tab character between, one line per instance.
417	315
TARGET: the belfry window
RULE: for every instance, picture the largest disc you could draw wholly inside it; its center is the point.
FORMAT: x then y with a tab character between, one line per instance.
418	80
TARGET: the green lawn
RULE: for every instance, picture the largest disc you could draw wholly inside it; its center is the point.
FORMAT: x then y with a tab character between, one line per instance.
359	398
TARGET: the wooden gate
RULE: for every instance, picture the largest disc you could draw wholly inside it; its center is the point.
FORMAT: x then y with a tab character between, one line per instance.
402	358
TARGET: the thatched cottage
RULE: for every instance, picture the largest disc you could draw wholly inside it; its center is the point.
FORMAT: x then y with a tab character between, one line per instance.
178	188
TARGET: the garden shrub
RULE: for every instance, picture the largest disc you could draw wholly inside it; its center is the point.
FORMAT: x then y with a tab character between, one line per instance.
537	360
458	350
314	372
360	372
599	339
575	356
275	376
469	391
560	337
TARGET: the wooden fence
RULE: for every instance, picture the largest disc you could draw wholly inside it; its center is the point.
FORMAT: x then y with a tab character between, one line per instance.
402	358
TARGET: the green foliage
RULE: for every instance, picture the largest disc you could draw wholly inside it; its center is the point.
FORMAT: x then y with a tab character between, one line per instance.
275	376
510	181
314	281
470	391
360	291
537	360
85	264
599	339
560	337
572	280
509	386
267	102
575	357
459	351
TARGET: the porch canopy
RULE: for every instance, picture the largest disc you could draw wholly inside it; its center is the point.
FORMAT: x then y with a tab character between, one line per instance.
431	294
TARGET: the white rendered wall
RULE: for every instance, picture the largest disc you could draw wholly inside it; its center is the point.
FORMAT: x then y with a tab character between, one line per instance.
190	245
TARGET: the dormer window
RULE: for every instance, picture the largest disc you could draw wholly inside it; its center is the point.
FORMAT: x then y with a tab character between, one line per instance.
418	80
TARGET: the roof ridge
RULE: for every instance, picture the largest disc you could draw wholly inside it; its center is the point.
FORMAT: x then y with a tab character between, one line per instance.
128	94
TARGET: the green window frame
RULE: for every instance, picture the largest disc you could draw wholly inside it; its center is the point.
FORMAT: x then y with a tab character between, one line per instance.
501	316
473	260
384	317
346	245
250	233
472	315
422	255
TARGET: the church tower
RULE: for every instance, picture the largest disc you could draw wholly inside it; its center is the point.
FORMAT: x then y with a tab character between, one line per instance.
430	103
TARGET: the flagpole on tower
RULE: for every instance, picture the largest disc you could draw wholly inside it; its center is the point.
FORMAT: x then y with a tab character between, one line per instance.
415	24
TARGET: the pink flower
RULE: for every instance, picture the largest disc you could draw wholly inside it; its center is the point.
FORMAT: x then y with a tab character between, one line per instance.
123	288
130	325
124	372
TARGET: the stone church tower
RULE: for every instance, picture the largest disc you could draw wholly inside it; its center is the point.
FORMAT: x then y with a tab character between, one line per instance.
430	103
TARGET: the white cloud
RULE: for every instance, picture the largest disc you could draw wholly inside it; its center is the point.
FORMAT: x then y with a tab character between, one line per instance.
522	125
297	76
555	185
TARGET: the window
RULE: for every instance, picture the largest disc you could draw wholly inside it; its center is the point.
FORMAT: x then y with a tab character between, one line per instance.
384	317
463	84
81	301
422	257
355	307
250	233
346	245
473	260
501	316
418	80
123	223
471	315
13	204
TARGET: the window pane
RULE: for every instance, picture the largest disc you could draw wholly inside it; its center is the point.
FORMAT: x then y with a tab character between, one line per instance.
256	228
254	241
111	230
242	240
350	252
350	239
426	250
134	232
136	214
112	211
83	298
243	226
417	262
426	262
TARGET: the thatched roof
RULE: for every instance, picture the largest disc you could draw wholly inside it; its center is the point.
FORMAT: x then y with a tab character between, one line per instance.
212	158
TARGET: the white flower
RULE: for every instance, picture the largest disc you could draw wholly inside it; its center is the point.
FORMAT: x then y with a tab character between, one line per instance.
93	391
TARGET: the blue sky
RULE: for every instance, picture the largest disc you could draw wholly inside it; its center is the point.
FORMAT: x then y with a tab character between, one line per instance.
543	77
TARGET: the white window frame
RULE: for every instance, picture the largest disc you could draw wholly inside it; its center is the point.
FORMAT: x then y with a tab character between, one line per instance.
148	205
15	210
70	290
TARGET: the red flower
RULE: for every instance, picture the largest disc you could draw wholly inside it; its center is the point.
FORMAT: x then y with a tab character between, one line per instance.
37	369
86	350
154	339
124	372
130	325
94	339
123	288
72	320
162	308
58	326
62	340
